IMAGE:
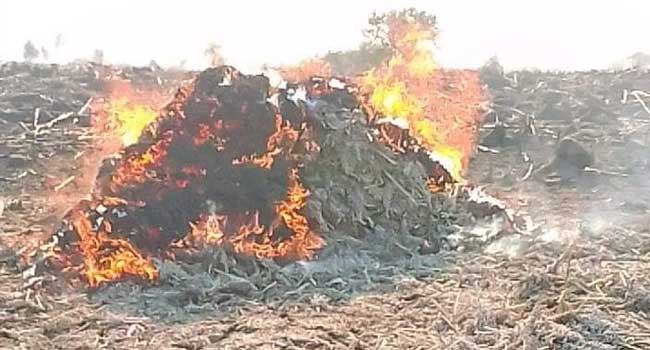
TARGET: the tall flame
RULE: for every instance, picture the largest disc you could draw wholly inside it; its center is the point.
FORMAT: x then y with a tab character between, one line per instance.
439	108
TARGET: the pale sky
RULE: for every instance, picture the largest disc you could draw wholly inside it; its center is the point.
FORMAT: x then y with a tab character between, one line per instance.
551	34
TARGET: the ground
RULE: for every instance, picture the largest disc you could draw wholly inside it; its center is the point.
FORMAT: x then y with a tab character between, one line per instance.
580	280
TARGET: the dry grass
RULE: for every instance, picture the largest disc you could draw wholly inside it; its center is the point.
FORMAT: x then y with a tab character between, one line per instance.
591	295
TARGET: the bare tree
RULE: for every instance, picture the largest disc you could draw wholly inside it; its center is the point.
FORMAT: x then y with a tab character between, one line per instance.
30	52
213	53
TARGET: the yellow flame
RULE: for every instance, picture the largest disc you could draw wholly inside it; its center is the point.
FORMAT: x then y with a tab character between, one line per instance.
392	100
130	120
451	159
415	52
400	91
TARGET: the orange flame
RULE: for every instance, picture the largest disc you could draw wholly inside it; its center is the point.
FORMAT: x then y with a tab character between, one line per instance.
108	259
125	112
306	69
439	108
134	169
254	239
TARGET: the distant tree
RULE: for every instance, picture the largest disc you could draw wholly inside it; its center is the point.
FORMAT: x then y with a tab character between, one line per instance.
213	53
492	73
98	56
30	52
357	61
492	66
44	53
59	41
377	32
638	60
154	65
376	47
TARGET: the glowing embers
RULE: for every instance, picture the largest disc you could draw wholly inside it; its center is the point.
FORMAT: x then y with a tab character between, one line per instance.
105	257
246	235
440	109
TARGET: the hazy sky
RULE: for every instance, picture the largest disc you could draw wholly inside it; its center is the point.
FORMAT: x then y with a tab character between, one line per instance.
551	34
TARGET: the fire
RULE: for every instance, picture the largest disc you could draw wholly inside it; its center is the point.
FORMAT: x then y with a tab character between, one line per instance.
306	69
302	242
217	166
129	119
248	236
134	169
208	230
414	43
107	259
440	109
280	141
196	176
125	112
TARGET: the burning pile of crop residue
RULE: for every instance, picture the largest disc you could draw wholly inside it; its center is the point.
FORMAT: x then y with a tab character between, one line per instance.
282	172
